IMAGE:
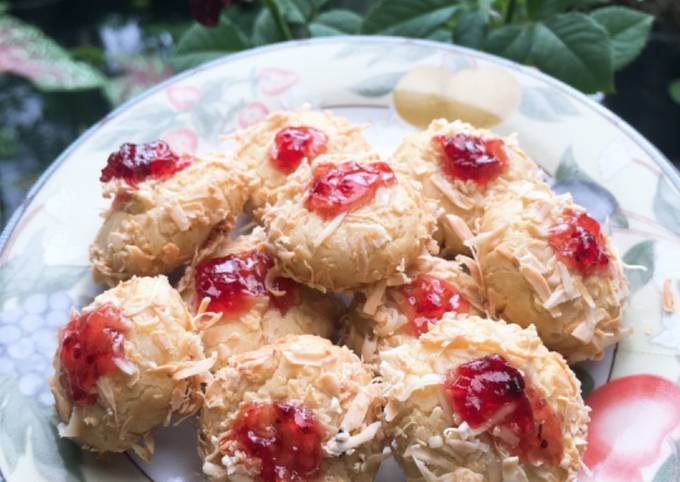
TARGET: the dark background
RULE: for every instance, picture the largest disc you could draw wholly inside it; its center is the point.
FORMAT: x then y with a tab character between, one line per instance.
130	39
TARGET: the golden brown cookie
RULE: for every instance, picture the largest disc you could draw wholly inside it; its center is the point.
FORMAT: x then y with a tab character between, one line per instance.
476	399
125	365
389	316
155	226
251	304
301	407
344	223
274	148
458	167
575	306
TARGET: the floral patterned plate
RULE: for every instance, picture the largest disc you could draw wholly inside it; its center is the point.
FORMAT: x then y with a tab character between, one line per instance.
396	85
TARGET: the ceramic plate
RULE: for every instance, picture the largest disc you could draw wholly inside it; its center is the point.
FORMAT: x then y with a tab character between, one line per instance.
396	85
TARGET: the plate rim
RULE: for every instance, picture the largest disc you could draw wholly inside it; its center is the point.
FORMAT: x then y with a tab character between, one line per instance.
659	158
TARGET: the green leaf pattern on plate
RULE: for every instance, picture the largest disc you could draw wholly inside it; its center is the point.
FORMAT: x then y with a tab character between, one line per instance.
378	86
546	105
26	428
641	254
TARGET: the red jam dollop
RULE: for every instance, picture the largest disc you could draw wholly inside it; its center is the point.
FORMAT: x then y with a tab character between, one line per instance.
492	393
293	144
339	188
134	163
284	437
472	158
425	300
578	242
89	345
232	283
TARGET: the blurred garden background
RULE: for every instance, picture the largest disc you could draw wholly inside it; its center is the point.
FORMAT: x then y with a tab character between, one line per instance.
65	63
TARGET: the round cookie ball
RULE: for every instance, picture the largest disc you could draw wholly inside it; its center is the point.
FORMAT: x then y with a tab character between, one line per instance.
155	226
374	240
258	148
389	316
476	399
462	198
527	282
313	406
125	364
249	305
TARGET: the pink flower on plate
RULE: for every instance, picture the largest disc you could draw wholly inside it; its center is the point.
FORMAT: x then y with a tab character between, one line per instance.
251	114
275	81
631	420
182	97
181	140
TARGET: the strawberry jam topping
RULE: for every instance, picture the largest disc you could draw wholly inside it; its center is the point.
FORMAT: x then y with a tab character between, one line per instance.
472	158
293	144
232	283
489	392
339	188
425	300
89	345
579	243
135	163
285	438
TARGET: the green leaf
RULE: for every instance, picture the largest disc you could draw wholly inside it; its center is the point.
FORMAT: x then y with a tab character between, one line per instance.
471	27
512	42
544	9
576	49
667	204
377	86
202	44
641	254
24	423
440	35
335	22
410	18
628	31
545	104
9	142
265	30
27	52
674	90
300	11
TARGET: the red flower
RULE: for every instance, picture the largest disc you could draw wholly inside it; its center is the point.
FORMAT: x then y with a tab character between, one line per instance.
274	81
207	12
182	97
251	114
181	140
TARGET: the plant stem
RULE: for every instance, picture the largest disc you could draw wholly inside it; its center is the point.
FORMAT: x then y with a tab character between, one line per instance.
278	18
510	11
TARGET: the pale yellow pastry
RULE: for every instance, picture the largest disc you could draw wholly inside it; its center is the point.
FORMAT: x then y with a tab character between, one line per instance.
457	399
268	315
255	144
389	316
125	365
372	242
526	282
462	201
156	226
301	388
